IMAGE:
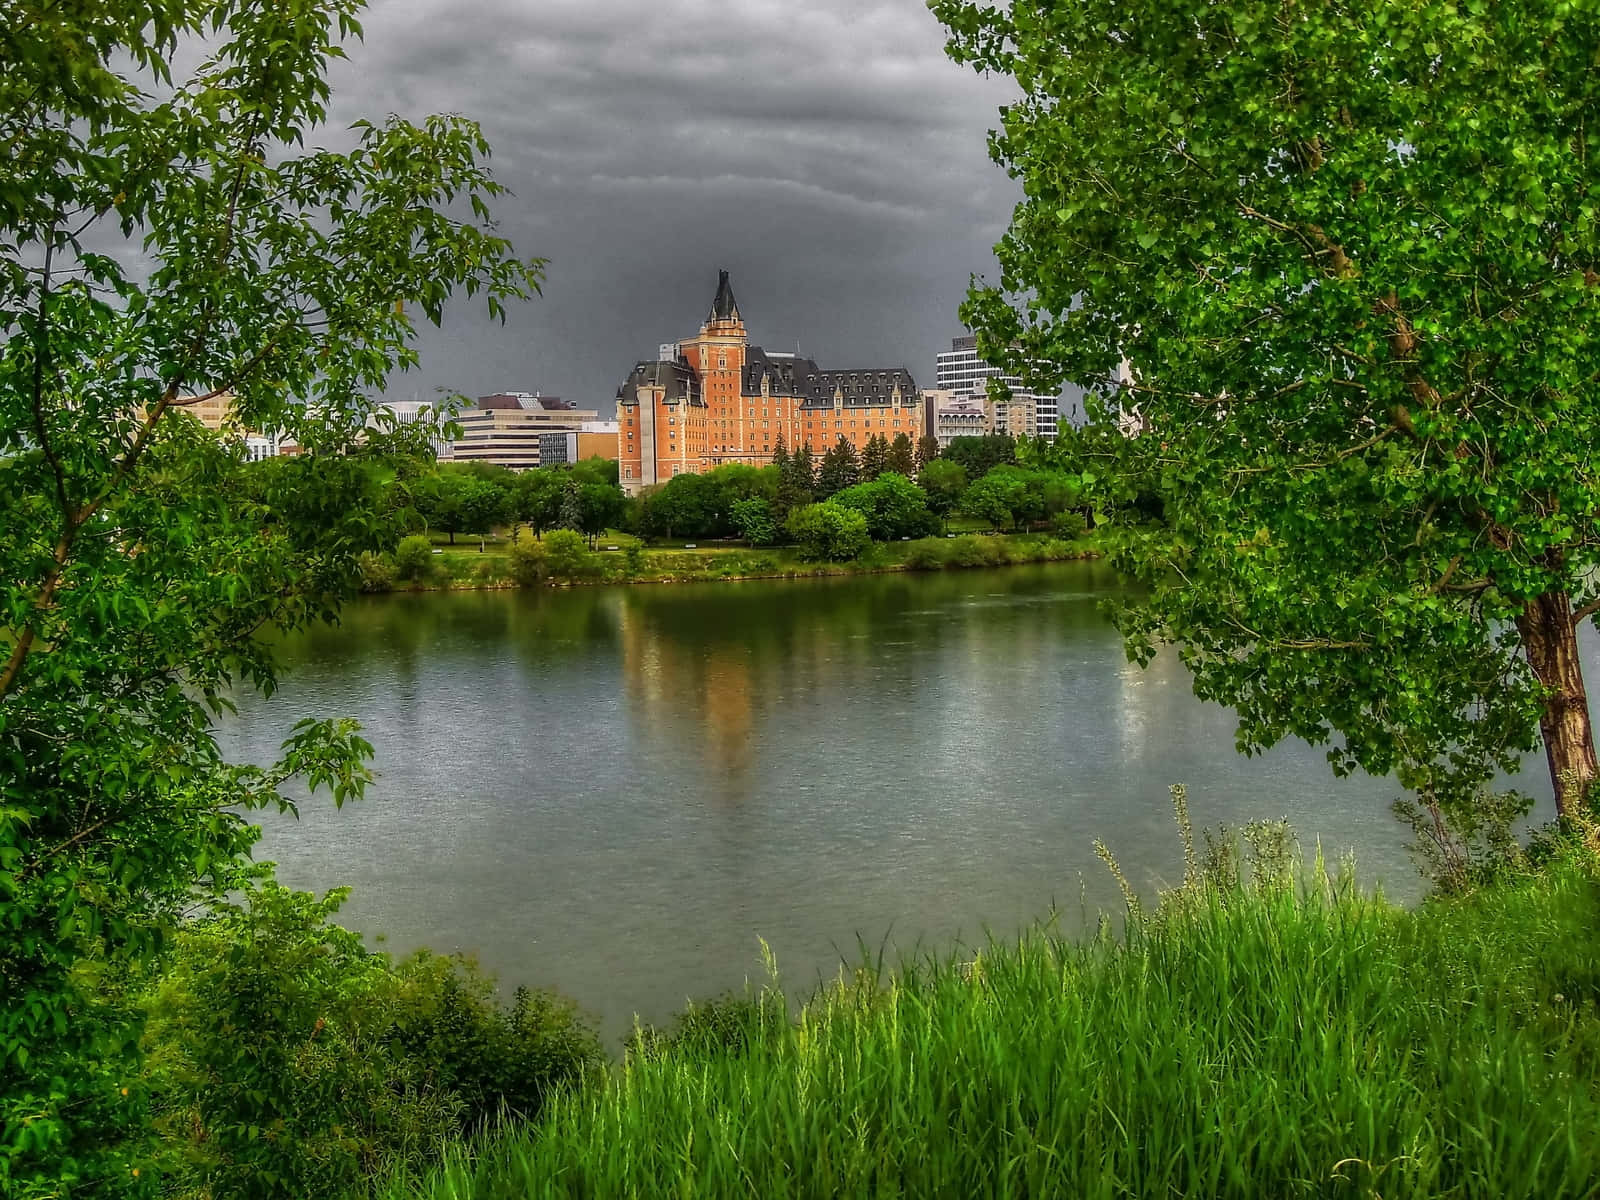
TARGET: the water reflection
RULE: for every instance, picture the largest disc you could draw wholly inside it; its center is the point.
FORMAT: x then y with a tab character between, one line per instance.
615	791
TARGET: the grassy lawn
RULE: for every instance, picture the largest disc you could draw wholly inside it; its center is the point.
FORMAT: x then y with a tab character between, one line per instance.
634	561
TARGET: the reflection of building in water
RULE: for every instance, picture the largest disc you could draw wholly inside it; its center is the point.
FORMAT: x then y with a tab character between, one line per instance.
708	667
672	681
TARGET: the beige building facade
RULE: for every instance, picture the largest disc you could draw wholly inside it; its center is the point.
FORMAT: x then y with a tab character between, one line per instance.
506	429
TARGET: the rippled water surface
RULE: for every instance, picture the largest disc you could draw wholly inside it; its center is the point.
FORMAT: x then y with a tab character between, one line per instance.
616	792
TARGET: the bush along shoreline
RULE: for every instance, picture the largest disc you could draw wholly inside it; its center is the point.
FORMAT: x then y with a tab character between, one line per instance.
557	561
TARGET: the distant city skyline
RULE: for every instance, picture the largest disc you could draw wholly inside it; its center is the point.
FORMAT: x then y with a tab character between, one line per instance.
828	155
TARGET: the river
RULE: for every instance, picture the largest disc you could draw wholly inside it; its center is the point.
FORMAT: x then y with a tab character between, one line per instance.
615	792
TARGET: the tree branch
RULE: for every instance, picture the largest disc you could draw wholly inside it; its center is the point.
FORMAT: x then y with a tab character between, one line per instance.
74	521
41	354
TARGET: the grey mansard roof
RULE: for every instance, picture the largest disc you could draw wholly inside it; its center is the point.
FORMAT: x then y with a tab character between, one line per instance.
786	375
790	375
678	378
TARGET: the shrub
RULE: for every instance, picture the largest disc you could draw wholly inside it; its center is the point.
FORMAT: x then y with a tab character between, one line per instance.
413	559
1055	550
966	551
376	571
633	559
565	554
827	532
1069	524
754	520
528	562
893	506
926	556
286	1060
490	1060
728	1024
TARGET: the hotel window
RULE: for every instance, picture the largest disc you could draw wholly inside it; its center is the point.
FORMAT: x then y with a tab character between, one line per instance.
672	420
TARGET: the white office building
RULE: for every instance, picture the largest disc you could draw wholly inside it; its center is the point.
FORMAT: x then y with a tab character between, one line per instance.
961	371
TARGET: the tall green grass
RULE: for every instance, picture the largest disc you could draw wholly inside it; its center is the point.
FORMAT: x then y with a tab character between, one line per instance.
1251	1039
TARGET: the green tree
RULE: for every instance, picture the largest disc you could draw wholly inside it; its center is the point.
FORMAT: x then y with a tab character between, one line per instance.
755	522
566	554
269	1017
570	513
796	480
601	506
670	509
893	506
536	499
840	469
726	486
701	506
944	483
927	450
874	458
1349	256
458	499
826	532
413	559
164	236
979	455
902	458
999	497
596	469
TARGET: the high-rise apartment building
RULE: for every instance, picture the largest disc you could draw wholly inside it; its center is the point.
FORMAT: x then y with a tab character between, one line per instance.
961	371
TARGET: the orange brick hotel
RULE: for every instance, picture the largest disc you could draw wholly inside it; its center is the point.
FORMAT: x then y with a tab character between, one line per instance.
722	400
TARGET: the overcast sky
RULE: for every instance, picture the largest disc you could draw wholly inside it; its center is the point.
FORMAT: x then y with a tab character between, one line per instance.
823	151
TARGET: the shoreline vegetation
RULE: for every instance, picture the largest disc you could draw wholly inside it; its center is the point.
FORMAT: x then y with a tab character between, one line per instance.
1261	1030
1265	1027
624	559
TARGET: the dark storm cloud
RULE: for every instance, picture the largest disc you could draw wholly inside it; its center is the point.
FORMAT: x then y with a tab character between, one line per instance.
826	152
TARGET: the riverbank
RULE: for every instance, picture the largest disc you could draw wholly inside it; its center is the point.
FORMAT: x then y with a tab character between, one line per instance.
1247	1040
621	562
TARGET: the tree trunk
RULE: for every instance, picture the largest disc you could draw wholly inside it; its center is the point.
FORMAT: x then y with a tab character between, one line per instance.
1550	637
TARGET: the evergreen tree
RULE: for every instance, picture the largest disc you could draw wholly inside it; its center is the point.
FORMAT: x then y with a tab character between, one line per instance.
927	450
571	514
795	483
902	457
780	457
874	458
840	469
